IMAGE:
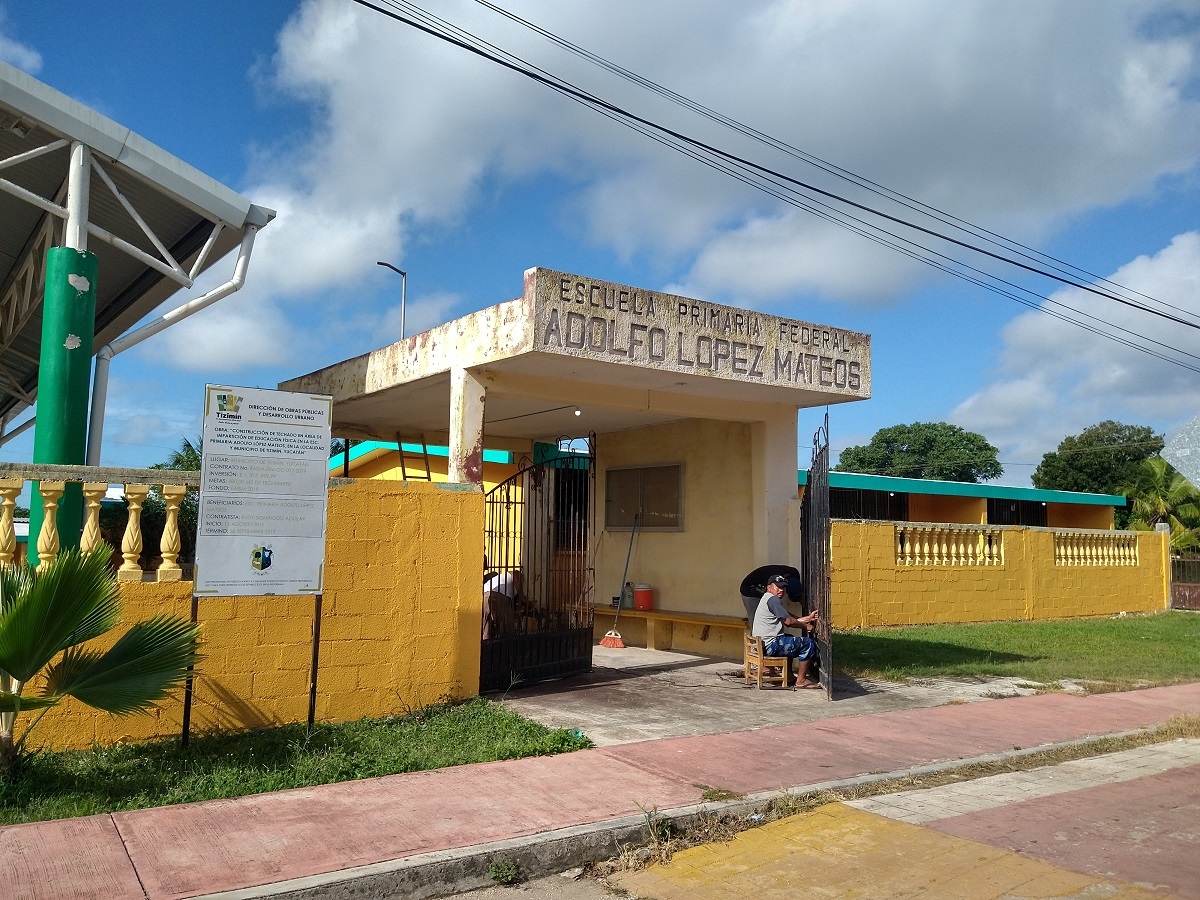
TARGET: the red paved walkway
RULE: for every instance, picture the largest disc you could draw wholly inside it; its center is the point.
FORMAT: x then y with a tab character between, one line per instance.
1143	831
183	851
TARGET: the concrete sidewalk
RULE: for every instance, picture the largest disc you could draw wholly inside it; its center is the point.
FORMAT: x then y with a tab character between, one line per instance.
358	838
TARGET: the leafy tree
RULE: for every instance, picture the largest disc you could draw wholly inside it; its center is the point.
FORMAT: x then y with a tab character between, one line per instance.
1162	495
1100	459
924	450
47	615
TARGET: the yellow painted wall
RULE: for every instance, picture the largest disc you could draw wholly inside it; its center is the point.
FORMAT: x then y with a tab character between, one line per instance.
400	626
940	508
869	588
1076	515
386	465
699	568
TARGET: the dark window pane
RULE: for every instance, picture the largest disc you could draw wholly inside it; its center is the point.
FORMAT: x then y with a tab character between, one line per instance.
660	497
652	493
622	497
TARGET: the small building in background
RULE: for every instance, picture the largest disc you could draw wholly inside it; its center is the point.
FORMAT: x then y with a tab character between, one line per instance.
887	499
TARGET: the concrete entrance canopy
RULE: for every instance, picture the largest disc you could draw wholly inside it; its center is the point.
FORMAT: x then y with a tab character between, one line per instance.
707	393
625	357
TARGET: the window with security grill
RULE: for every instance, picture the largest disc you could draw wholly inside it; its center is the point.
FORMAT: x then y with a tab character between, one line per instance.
654	494
1016	512
880	506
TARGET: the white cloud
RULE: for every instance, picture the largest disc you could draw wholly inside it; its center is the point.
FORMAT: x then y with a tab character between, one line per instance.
1018	116
17	54
1015	116
1055	379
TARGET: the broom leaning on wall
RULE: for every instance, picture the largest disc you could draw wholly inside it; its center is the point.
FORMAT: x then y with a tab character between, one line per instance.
612	638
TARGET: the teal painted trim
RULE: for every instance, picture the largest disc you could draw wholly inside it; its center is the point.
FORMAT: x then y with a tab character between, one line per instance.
859	481
504	457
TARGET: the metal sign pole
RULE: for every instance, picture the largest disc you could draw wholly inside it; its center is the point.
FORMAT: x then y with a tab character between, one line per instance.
316	653
187	688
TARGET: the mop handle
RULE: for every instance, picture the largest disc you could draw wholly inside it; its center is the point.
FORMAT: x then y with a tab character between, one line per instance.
625	574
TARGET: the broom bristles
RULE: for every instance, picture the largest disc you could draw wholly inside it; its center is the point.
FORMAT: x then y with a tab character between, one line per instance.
613	641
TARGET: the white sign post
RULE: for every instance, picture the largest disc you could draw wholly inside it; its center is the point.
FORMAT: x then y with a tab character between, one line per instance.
264	482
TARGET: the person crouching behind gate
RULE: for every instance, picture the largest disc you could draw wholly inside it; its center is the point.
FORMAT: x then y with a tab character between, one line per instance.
772	617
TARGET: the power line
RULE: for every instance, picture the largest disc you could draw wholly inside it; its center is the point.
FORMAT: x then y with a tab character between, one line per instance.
760	177
813	160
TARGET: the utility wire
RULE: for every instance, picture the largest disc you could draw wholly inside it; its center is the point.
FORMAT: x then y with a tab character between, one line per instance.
902	199
520	66
758	176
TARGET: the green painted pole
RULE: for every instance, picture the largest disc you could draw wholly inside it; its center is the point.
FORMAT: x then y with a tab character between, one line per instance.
60	435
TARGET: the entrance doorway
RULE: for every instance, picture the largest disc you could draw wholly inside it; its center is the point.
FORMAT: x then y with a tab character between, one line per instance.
540	578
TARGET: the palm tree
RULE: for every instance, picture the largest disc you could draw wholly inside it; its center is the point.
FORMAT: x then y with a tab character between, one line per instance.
48	615
1162	495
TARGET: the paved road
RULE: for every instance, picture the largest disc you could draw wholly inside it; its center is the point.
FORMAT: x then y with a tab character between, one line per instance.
1123	825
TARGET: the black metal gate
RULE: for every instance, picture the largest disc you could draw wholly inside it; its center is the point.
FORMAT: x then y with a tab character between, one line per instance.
816	533
539	576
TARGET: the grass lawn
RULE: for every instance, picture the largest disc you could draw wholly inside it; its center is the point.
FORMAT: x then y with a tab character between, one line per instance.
54	785
1113	653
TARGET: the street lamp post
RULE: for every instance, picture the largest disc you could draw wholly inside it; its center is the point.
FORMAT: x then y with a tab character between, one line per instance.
403	291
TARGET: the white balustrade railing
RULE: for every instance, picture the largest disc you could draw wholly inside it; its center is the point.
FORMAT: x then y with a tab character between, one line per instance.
1085	547
926	544
51	484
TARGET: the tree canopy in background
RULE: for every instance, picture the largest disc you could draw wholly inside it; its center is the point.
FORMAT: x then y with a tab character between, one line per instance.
1101	459
934	450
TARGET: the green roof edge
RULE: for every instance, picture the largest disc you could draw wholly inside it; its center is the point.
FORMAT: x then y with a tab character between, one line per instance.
862	482
360	450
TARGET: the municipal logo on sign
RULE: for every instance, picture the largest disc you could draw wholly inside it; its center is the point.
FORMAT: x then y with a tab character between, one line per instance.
229	407
260	558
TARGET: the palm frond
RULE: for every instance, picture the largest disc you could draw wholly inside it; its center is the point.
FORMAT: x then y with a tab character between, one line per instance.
9	702
72	600
150	658
14	583
67	670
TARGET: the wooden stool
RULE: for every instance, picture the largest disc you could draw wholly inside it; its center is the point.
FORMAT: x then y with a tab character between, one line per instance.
755	664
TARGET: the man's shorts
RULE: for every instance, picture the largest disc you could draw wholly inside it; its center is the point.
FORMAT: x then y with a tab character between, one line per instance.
793	646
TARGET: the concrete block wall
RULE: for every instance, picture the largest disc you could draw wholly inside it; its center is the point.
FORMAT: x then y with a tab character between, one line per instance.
869	588
400	625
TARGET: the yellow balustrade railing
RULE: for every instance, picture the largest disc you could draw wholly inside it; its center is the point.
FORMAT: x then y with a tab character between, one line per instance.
1085	547
925	544
51	482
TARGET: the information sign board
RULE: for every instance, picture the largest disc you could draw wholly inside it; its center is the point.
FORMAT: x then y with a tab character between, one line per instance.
264	483
1183	452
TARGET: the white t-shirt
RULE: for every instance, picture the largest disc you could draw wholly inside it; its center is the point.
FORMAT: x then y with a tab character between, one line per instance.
501	583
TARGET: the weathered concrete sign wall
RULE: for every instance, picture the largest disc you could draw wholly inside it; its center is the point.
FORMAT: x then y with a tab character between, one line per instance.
615	323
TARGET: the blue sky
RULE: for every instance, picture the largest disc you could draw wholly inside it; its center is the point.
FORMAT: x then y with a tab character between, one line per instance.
1075	129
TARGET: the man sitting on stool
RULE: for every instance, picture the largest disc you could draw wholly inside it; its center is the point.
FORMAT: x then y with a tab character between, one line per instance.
769	621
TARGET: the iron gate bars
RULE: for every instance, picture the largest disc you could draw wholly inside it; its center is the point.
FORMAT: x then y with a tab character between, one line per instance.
539	577
816	533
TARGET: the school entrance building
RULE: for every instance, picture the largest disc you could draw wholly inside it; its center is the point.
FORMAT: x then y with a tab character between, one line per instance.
658	436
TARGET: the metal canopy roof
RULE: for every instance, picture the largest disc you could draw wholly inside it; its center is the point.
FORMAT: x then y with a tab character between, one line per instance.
178	204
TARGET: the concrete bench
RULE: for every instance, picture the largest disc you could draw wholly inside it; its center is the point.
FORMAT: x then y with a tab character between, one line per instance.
685	632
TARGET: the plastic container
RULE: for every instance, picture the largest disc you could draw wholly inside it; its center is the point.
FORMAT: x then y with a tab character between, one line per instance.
643	596
627	596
